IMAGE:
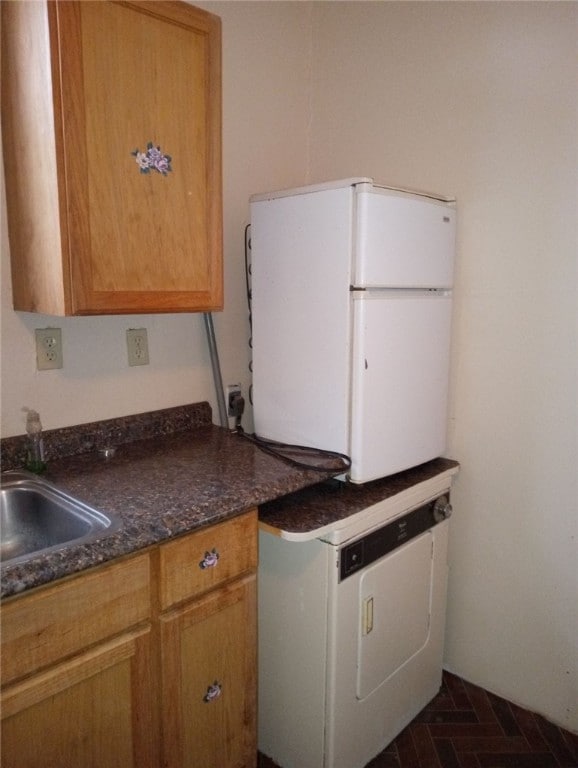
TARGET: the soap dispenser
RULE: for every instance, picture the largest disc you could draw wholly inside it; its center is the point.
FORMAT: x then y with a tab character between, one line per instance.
35	448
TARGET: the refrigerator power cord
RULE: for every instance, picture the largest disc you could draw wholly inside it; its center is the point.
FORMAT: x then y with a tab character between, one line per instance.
340	461
281	450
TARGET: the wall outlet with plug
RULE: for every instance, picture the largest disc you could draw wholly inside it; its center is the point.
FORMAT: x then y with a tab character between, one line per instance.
233	392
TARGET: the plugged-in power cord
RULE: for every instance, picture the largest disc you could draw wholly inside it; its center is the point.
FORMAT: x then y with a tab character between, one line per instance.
304	457
236	409
329	461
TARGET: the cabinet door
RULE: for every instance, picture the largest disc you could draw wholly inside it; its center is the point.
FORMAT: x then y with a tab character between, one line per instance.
91	711
112	147
141	99
209	680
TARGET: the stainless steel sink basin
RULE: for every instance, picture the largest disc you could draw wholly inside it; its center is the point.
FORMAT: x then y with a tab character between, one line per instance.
36	517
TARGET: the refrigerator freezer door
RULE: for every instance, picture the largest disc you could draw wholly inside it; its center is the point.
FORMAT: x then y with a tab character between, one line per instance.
403	240
401	347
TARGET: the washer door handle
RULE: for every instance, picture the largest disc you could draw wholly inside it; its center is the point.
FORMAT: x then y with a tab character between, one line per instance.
367	616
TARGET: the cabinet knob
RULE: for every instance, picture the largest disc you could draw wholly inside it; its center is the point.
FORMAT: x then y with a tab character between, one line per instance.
213	692
210	559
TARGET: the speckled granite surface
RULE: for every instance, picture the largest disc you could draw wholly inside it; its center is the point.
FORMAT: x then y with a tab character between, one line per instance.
83	438
160	487
174	472
327	502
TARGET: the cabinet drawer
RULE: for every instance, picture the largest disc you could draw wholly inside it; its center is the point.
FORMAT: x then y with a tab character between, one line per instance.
54	622
201	561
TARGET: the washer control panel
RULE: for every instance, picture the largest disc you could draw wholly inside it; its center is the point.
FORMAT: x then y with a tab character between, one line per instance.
376	544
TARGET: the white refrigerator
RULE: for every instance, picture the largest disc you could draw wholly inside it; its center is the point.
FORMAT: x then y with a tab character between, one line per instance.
351	286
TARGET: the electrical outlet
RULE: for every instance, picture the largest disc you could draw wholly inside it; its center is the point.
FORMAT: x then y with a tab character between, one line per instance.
48	348
233	391
138	346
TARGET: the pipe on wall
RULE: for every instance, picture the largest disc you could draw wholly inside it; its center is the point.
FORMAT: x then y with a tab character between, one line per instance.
211	340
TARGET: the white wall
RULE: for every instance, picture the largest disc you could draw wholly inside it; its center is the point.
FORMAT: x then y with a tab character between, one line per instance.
479	100
265	77
475	99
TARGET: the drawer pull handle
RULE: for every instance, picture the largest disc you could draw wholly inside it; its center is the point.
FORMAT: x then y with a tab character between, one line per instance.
213	692
210	559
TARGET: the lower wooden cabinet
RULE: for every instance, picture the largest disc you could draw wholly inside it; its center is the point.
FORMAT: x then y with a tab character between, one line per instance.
94	710
138	663
209	685
208	627
77	672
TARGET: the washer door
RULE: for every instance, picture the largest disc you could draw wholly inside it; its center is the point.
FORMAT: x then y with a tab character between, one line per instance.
394	611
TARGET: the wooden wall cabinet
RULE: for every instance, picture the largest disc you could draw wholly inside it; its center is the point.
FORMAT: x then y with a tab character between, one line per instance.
150	661
111	122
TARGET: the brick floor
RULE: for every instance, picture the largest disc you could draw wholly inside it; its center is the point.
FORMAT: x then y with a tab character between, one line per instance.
467	727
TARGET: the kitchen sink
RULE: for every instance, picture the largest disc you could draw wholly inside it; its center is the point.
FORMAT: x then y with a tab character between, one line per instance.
36	517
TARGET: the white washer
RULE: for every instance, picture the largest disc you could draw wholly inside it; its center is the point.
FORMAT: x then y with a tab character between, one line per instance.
351	629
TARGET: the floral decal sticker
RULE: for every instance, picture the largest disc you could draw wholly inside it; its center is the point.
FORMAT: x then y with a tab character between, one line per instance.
152	160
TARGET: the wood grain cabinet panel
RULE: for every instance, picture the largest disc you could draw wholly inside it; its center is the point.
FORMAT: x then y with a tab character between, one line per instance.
60	620
202	561
79	672
112	148
148	661
209	661
93	710
208	645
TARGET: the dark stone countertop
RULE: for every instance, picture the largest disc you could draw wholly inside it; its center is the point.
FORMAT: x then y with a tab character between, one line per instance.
160	487
174	472
325	504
